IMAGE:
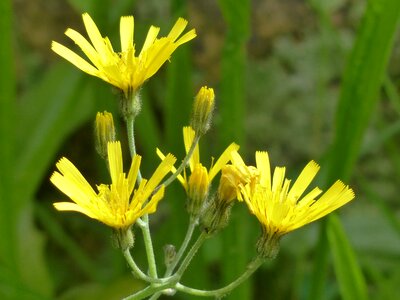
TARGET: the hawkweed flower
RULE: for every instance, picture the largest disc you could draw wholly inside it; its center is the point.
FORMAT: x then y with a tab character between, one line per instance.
118	204
217	212
281	208
198	183
126	70
104	132
203	107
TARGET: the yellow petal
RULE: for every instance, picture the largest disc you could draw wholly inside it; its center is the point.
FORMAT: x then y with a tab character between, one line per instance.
71	182
163	169
94	34
133	172
151	206
188	36
85	46
178	28
150	38
173	169
115	160
263	165
188	137
222	160
69	206
74	59
126	32
303	181
277	180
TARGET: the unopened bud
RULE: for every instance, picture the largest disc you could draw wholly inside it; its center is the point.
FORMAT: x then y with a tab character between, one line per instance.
216	216
197	190
104	132
169	254
203	107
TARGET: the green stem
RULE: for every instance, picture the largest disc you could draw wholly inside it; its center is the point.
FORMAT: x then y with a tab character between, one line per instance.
251	268
170	269
189	233
137	271
130	128
184	162
152	289
149	246
144	225
185	262
191	254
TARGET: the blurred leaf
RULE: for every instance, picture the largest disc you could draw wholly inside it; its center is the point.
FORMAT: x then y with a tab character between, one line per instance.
8	122
149	136
34	258
58	235
231	129
361	82
346	266
116	290
49	112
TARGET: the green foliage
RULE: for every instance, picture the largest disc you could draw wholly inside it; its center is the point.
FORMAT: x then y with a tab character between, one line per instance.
283	102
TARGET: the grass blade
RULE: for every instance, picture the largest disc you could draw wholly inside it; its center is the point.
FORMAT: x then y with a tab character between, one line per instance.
362	80
351	279
7	126
231	128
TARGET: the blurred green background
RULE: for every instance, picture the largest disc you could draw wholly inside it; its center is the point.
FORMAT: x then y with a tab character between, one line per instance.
302	79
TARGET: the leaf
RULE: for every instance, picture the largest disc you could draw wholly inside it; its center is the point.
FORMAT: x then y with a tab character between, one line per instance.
361	83
362	80
230	124
49	112
347	269
7	127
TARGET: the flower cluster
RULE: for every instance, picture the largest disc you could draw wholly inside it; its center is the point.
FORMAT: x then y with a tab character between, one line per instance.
279	205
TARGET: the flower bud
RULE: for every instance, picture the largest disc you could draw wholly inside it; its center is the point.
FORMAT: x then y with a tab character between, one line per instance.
197	189
216	215
203	107
169	254
104	132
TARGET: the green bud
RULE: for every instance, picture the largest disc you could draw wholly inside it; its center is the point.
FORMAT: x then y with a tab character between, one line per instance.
169	254
203	108
216	215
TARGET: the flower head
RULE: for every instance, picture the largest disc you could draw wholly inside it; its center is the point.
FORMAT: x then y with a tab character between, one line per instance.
118	204
281	208
233	176
125	70
199	181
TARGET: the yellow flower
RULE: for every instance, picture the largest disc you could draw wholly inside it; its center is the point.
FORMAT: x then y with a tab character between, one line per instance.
199	181
281	208
233	176
124	70
117	205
